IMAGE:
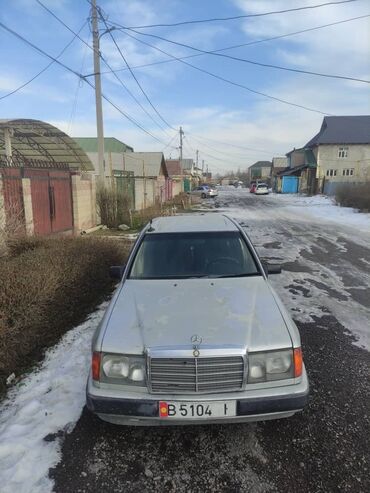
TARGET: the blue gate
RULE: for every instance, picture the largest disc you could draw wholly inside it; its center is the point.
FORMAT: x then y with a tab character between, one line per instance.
290	184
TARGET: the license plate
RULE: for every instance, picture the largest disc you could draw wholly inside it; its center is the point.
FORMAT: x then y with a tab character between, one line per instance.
196	410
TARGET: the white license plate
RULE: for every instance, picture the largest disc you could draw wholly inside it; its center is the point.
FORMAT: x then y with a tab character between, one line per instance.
196	410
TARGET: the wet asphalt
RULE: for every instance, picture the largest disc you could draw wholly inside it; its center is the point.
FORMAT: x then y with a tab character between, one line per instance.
323	449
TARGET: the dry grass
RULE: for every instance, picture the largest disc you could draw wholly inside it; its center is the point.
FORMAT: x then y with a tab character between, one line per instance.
49	286
113	206
357	196
12	225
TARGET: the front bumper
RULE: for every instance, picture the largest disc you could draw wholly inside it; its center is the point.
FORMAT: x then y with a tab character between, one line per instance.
143	409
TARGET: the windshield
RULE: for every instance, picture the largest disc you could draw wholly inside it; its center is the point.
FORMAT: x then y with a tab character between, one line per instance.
184	255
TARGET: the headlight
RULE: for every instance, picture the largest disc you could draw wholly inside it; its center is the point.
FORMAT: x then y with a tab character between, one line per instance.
272	365
125	370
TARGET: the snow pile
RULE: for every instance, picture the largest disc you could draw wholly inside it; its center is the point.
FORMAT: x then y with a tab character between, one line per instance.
48	401
320	207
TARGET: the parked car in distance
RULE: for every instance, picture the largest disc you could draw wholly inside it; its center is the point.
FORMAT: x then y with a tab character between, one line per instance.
252	186
195	333
261	189
205	192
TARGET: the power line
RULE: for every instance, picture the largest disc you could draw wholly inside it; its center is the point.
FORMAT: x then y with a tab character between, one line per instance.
246	16
170	142
212	156
45	68
111	70
244	60
79	85
63	23
77	74
250	43
232	145
133	75
241	156
228	81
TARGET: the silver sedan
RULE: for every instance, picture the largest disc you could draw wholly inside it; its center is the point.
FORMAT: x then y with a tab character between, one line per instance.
195	333
205	192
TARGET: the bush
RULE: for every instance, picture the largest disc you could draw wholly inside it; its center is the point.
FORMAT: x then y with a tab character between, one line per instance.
46	290
357	196
113	206
140	218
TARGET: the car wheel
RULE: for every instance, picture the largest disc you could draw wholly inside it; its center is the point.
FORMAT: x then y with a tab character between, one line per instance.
204	196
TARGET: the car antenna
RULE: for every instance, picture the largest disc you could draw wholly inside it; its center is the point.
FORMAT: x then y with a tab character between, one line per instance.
150	229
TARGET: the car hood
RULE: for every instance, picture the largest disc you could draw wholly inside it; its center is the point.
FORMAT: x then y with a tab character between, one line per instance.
239	312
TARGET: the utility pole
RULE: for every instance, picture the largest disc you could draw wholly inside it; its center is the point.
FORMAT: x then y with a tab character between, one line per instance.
196	157
202	166
98	98
181	135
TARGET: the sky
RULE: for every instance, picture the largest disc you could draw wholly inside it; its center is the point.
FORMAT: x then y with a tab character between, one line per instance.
231	126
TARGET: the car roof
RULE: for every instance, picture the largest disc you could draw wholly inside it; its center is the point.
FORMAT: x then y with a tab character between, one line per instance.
188	223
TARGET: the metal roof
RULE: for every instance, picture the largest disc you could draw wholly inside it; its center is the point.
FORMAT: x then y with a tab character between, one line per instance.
261	164
343	130
189	223
173	167
145	163
37	140
111	144
187	163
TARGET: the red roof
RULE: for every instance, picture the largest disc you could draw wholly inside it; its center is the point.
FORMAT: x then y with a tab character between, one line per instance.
173	167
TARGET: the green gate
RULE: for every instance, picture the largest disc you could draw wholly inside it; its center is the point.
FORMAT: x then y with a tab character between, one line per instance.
186	185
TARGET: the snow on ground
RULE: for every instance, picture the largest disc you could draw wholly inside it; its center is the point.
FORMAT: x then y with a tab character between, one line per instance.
296	229
46	401
320	207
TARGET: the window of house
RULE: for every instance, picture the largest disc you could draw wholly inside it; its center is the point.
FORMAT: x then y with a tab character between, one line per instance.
343	152
348	172
331	172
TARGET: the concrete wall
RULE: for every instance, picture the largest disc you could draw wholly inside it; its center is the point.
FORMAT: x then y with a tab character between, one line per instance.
358	159
84	202
113	160
145	193
296	158
177	187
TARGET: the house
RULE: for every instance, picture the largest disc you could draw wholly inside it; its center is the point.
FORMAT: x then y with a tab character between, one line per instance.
152	183
261	170
45	182
176	175
342	151
279	164
300	173
113	153
192	174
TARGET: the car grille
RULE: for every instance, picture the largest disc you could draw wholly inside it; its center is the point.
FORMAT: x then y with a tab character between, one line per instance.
196	375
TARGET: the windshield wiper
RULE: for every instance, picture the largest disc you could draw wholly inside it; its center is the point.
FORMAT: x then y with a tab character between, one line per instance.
235	275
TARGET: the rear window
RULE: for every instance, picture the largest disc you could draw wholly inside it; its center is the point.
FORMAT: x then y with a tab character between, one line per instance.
189	255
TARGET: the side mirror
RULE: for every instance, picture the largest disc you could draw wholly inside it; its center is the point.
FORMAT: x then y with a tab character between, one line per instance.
116	271
271	268
274	268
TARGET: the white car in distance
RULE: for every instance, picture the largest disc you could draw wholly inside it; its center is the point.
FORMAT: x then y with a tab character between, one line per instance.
261	189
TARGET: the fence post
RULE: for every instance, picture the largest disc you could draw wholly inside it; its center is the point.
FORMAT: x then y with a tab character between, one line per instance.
2	207
27	203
